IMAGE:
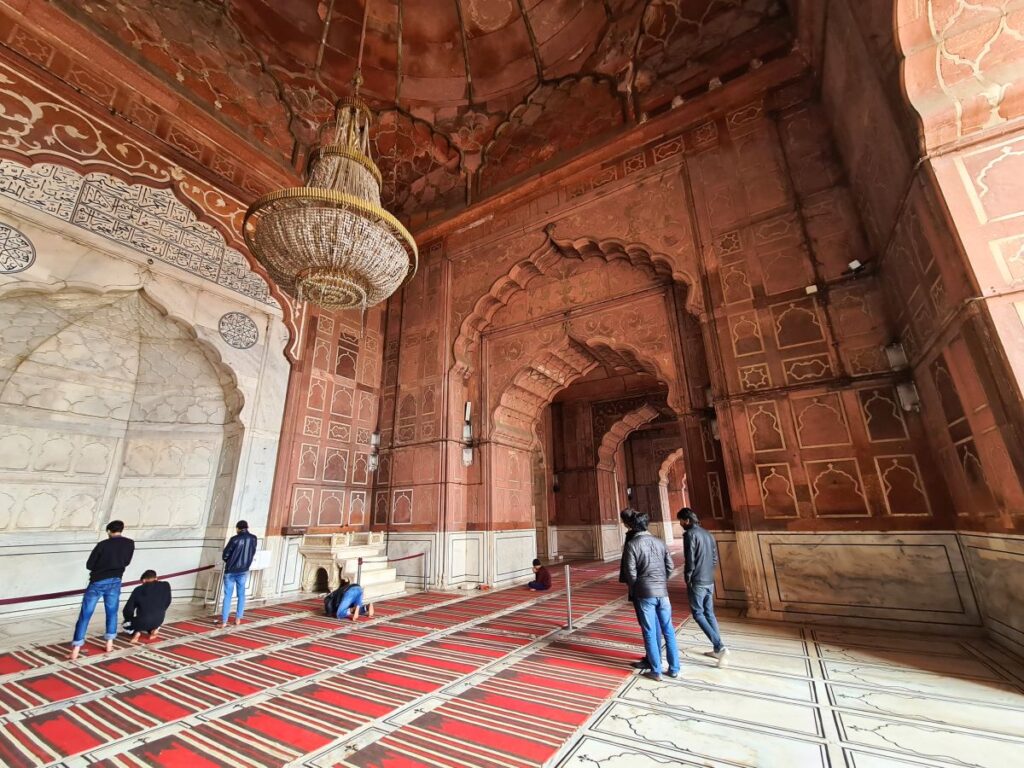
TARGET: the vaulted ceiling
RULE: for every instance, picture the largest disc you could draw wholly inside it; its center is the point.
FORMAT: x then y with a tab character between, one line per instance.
472	94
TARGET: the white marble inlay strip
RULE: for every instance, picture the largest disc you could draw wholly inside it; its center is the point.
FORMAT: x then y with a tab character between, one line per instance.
930	742
962	714
705	738
802	719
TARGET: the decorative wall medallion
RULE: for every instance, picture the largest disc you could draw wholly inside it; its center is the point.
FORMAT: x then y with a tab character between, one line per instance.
16	251
238	330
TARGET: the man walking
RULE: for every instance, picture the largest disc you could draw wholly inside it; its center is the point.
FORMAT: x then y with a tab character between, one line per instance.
701	555
238	555
106	566
647	567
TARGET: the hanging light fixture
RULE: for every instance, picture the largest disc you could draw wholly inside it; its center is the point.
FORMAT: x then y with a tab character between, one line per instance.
330	242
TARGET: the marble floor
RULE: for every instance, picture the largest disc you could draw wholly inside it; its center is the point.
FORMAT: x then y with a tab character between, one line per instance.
792	696
803	697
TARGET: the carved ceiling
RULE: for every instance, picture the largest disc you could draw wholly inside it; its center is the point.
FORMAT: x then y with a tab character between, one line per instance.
472	94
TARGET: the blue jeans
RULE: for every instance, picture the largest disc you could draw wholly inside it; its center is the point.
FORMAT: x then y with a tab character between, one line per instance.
702	606
231	582
353	598
110	591
655	614
538	586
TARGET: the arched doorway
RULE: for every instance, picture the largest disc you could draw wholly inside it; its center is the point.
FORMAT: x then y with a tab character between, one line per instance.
593	312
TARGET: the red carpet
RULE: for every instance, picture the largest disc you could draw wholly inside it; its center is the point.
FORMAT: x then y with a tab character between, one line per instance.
280	673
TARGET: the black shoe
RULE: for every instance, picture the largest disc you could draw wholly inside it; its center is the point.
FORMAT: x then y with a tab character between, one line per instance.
642	664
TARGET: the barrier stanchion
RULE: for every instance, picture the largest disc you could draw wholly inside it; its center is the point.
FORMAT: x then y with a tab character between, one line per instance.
359	571
568	599
426	573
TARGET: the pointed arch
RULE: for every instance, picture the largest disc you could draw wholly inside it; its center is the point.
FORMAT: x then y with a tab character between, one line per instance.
668	463
535	384
620	430
541	262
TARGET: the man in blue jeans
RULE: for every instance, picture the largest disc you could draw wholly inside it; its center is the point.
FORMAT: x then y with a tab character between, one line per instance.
646	566
701	554
350	606
106	566
238	555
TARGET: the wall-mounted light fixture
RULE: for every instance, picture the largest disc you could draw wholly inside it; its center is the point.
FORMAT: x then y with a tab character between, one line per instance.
467	436
554	483
374	451
897	356
629	492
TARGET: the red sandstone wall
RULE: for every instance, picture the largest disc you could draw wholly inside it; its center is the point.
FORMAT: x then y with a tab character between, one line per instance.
323	479
934	256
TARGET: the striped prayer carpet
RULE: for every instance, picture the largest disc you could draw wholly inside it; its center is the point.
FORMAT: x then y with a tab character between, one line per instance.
518	718
287	700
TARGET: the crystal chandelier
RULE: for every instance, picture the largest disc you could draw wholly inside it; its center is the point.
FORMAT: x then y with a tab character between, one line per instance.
330	242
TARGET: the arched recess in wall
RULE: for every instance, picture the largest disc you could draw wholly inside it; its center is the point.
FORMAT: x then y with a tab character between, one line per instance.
111	409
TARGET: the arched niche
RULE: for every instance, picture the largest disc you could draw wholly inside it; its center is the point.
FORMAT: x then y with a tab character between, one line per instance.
111	409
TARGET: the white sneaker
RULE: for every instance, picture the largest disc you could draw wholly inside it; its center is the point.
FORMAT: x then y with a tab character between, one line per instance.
720	655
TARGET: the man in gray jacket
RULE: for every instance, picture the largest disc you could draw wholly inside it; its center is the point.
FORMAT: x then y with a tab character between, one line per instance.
646	566
701	555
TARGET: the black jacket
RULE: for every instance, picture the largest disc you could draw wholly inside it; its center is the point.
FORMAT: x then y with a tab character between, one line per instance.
146	608
647	564
622	562
109	558
701	554
239	552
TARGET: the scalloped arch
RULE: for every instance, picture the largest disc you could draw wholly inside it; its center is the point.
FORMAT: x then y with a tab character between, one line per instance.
666	465
567	359
541	262
620	430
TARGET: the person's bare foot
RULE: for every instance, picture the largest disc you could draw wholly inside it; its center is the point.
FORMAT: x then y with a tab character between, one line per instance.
110	646
238	622
135	638
369	610
355	614
75	651
154	634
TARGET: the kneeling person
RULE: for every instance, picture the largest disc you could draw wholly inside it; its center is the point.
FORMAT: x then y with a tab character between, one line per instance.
349	601
147	606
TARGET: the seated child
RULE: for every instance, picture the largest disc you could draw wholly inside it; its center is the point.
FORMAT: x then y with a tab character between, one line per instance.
542	578
147	606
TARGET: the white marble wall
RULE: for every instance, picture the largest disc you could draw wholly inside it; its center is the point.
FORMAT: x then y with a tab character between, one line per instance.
996	563
884	579
510	556
119	397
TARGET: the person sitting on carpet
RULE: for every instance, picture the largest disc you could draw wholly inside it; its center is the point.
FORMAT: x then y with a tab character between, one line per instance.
349	600
542	578
147	606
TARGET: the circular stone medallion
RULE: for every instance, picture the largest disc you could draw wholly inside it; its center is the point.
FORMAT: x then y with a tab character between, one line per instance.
238	330
16	251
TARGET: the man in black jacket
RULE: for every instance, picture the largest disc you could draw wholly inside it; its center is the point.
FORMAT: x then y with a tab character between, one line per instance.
701	554
647	565
147	607
238	555
106	566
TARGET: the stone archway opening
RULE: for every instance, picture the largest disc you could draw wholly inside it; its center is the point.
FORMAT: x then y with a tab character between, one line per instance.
322	582
567	416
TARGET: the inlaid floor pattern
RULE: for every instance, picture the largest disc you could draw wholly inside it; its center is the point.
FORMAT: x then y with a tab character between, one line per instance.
493	681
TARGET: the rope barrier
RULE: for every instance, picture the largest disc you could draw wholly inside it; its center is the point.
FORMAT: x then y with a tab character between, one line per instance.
70	592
